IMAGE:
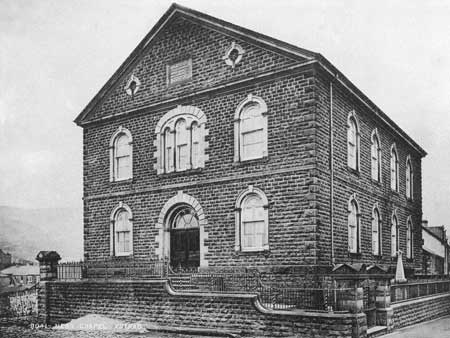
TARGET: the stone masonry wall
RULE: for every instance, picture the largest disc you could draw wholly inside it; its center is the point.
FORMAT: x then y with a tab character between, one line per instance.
420	310
284	176
368	192
155	302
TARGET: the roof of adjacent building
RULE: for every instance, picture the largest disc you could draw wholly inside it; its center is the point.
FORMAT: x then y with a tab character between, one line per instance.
258	38
21	270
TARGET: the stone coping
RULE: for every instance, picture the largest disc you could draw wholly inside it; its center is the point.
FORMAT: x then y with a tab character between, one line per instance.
419	300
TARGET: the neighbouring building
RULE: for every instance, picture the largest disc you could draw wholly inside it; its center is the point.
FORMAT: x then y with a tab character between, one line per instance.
216	147
22	274
5	259
436	250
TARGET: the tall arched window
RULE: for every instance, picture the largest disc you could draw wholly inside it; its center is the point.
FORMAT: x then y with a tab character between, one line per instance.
121	155
409	178
180	140
376	231
168	141
409	238
252	221
375	151
250	129
394	168
394	235
121	231
354	245
352	142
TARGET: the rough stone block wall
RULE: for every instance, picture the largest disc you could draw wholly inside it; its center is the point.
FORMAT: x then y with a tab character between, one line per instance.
368	191
155	302
284	176
420	310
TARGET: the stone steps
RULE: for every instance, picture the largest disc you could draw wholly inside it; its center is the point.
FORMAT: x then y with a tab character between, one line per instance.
376	331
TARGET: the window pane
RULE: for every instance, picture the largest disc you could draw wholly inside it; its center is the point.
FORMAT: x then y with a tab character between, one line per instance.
123	167
168	150
195	147
252	144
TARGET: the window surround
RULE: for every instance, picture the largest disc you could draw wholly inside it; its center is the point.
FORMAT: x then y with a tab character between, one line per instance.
112	154
355	247
394	170
409	180
239	229
194	119
352	120
120	207
394	233
376	211
376	138
238	135
409	238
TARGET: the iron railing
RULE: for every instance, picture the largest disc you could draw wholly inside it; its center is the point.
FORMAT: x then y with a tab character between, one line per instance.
19	303
404	292
134	269
273	297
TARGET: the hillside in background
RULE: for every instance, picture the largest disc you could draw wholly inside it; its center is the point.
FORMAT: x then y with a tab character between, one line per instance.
25	232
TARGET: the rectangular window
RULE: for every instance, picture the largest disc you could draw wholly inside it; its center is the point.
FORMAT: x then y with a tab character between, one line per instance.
179	71
183	157
123	167
123	241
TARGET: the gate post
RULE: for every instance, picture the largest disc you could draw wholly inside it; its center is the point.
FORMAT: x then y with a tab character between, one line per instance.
48	269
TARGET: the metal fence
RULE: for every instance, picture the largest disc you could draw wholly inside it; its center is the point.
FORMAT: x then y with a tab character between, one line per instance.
404	292
279	298
19	303
134	269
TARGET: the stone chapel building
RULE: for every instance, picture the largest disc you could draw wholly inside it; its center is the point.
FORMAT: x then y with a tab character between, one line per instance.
213	147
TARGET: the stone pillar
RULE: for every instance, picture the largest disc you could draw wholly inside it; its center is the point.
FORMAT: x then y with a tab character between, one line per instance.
48	269
48	263
385	313
353	301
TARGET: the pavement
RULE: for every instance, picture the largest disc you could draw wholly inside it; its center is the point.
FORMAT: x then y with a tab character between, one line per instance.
438	328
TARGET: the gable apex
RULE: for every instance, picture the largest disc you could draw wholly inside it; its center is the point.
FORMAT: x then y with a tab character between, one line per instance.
176	11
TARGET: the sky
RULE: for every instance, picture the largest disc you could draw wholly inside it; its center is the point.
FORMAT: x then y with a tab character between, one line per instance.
56	55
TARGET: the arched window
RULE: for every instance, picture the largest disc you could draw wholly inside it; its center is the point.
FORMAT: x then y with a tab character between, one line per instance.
121	231
168	141
394	235
376	231
252	221
195	145
121	155
409	178
409	238
394	168
352	142
180	140
353	226
250	129
375	151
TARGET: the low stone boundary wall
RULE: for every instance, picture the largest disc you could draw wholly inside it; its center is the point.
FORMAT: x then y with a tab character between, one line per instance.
420	310
157	303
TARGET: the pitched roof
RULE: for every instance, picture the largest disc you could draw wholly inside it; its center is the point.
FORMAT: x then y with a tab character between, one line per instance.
176	10
21	270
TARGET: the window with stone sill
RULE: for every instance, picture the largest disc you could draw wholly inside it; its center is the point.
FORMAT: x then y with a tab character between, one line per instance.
375	154
394	168
409	238
353	149
354	227
252	226
121	240
376	231
409	178
180	140
250	129
394	235
121	155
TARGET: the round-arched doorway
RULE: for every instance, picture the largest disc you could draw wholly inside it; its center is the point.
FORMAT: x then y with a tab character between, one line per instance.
183	224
